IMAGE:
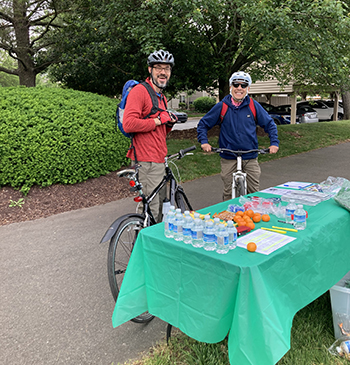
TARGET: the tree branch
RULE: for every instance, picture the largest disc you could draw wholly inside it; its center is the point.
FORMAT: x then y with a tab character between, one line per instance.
6	17
8	71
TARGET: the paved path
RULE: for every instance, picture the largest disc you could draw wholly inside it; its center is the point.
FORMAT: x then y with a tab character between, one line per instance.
55	303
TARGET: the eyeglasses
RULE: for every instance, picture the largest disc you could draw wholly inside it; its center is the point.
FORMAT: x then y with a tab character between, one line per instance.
160	68
236	85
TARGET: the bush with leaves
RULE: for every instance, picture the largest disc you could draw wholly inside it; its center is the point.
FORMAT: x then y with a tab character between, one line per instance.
204	104
57	136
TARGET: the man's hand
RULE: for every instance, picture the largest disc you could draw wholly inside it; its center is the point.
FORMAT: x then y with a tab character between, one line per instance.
273	149
164	117
206	147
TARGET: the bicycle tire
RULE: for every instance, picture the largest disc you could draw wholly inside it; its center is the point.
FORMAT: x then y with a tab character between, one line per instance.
120	248
239	187
182	201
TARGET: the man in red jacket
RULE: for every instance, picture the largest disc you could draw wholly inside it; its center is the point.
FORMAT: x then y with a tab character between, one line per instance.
149	135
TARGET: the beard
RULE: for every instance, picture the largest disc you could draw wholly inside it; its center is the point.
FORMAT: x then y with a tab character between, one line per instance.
162	85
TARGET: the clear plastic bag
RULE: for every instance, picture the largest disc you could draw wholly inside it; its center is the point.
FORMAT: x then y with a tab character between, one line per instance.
341	347
343	196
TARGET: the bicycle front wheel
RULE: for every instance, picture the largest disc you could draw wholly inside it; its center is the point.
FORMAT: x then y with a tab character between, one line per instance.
120	248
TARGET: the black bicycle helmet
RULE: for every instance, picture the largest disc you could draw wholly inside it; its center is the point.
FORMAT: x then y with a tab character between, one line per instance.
161	57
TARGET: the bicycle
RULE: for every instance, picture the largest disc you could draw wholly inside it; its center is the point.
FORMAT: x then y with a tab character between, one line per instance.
239	182
123	232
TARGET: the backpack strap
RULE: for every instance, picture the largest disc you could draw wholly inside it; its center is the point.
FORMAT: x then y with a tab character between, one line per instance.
225	107
154	98
252	108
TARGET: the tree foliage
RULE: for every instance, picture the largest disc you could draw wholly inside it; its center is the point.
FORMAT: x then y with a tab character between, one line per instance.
24	30
289	39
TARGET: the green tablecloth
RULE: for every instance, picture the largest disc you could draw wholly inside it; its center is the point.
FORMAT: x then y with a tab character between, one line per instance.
250	296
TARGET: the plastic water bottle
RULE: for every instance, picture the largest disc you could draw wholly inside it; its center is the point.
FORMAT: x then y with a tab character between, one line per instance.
166	207
178	226
197	233
221	239
290	209
232	235
169	225
209	236
300	218
187	229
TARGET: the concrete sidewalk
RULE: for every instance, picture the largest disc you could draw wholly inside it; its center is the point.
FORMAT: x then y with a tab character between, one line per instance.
56	305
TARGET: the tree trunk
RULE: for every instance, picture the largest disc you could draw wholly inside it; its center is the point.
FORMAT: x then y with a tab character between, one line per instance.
223	88
26	71
346	103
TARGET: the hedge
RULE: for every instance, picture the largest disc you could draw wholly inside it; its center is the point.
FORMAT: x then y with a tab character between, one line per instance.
204	104
57	136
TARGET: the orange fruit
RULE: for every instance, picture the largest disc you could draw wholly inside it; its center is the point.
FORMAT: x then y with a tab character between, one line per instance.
251	246
239	213
265	217
236	218
251	225
257	217
241	223
246	218
250	213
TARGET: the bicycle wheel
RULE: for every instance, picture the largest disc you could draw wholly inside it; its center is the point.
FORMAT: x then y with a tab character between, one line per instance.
120	248
182	201
240	190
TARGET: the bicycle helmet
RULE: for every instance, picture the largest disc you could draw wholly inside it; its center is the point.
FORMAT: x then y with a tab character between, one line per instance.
240	76
160	57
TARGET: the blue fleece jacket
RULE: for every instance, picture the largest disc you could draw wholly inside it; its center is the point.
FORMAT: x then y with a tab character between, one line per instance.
238	129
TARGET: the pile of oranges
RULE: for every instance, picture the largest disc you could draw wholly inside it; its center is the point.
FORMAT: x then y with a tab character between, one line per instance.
249	218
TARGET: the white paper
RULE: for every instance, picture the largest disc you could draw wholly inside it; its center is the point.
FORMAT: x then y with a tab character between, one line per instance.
275	191
294	185
266	241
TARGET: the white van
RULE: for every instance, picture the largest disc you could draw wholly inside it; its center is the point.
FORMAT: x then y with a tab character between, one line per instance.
324	109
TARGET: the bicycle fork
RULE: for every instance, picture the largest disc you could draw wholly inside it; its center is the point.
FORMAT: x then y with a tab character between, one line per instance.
239	181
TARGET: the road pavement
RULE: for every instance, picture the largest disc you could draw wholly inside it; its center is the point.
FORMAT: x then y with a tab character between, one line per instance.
56	305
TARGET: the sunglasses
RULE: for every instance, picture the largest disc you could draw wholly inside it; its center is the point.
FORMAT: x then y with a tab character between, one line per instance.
236	85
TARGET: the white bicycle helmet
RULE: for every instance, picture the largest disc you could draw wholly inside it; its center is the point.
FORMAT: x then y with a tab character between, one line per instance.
161	57
240	76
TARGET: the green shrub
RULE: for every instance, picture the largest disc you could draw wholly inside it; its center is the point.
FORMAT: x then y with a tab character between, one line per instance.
204	104
57	136
182	106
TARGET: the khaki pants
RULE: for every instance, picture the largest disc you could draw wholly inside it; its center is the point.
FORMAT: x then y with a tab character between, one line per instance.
250	167
150	175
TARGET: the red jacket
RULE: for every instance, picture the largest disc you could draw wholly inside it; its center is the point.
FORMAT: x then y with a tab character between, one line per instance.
149	140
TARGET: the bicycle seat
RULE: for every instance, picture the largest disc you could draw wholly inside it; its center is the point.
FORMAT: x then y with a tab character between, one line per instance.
126	173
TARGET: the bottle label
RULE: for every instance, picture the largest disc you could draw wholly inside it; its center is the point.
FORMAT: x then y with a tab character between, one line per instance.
208	237
222	240
289	212
346	346
186	231
197	235
299	218
171	226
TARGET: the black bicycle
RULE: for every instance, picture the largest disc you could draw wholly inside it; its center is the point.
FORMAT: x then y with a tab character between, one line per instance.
123	232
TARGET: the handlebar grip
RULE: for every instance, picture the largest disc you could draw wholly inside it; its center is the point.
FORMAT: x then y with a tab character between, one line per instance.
188	149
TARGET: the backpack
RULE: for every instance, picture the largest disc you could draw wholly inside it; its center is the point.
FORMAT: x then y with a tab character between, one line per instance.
121	106
225	107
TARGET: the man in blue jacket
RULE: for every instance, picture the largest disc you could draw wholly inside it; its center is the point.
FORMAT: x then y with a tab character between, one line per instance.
238	132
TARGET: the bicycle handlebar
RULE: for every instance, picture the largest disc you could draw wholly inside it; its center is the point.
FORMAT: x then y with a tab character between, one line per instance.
240	153
182	153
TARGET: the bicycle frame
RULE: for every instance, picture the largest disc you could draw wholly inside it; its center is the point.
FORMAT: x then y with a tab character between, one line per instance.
239	181
132	174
